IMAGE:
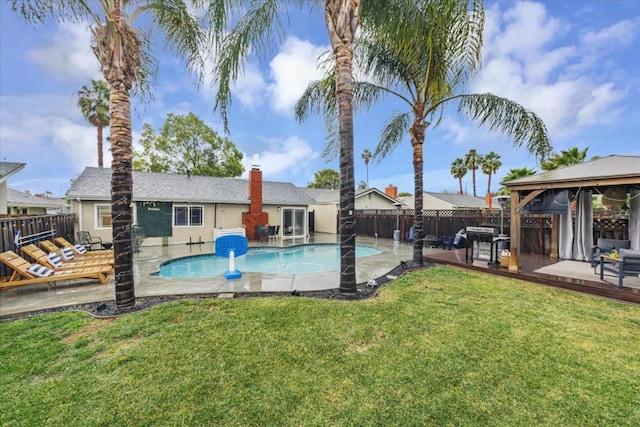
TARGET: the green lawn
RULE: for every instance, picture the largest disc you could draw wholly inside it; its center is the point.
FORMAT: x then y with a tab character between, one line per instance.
436	347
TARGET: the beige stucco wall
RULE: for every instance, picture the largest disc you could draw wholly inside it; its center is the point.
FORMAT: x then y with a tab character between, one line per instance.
325	218
373	201
214	216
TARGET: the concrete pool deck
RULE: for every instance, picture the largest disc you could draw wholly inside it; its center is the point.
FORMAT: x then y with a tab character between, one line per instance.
27	298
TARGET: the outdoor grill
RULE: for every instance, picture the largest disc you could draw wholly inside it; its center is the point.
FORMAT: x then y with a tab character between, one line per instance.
480	242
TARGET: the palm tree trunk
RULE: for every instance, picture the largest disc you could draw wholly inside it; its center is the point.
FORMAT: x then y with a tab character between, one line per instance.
342	20
473	178
121	193
417	139
100	159
489	185
460	182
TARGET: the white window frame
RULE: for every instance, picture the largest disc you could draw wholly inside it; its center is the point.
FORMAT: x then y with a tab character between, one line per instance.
189	207
96	208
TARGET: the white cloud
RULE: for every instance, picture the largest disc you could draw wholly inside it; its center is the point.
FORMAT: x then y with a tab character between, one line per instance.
621	33
599	109
292	69
68	55
283	158
50	125
250	88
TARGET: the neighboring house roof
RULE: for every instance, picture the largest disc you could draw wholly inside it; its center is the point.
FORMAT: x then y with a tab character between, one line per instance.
95	184
365	191
602	171
323	196
460	200
20	199
8	168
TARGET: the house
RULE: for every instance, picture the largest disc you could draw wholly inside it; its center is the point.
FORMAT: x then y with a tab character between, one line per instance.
7	169
173	208
19	203
447	201
325	210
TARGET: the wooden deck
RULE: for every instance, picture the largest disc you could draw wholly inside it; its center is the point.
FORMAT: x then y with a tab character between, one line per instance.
530	263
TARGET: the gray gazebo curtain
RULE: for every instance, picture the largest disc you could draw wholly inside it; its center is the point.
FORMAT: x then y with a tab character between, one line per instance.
634	219
583	238
565	235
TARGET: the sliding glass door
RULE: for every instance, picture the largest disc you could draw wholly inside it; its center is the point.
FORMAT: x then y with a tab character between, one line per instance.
294	224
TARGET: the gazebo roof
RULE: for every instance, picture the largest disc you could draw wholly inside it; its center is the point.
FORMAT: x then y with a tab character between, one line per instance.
605	171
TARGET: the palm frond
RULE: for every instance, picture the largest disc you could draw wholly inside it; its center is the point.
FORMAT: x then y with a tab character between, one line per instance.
38	11
258	30
510	118
395	128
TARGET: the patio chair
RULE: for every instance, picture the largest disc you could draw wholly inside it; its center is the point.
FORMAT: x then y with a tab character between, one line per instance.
81	250
25	273
261	233
604	247
85	239
55	261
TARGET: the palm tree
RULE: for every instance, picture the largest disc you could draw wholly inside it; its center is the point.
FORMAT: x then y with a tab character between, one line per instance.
459	170
515	174
426	76
366	156
94	105
125	58
473	160
572	156
490	165
258	25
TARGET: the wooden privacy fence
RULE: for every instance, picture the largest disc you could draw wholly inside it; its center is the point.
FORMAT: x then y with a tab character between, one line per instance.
535	229
62	224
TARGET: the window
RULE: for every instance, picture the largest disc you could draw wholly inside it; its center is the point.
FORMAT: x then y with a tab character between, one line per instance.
103	216
187	216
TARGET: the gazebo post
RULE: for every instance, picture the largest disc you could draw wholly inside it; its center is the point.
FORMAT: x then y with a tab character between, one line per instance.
555	226
515	231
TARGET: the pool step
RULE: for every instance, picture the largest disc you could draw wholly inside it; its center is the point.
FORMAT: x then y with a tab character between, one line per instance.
226	295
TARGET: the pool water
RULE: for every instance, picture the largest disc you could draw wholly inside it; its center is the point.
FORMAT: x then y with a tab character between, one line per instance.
302	259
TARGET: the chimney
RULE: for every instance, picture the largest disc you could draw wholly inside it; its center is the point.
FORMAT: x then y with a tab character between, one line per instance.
391	191
255	190
255	216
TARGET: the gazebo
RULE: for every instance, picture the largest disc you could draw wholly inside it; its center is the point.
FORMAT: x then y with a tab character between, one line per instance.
552	192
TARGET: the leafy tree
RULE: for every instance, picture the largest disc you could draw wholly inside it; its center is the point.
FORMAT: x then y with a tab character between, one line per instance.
515	174
326	178
572	156
424	55
362	185
459	170
366	156
473	161
126	60
185	144
257	25
94	105
404	194
490	165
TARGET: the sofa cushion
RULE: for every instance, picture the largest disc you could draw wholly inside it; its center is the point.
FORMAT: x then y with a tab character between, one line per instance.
623	253
605	245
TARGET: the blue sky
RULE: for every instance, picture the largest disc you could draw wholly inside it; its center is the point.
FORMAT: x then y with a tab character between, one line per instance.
576	63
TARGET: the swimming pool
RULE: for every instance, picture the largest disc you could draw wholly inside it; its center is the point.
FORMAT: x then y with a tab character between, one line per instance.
302	259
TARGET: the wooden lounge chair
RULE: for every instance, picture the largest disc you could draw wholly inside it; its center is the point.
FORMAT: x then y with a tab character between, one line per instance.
55	261
25	273
76	248
49	246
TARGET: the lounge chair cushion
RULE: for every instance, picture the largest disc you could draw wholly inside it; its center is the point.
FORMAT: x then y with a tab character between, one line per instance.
39	270
54	259
67	253
622	253
81	249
